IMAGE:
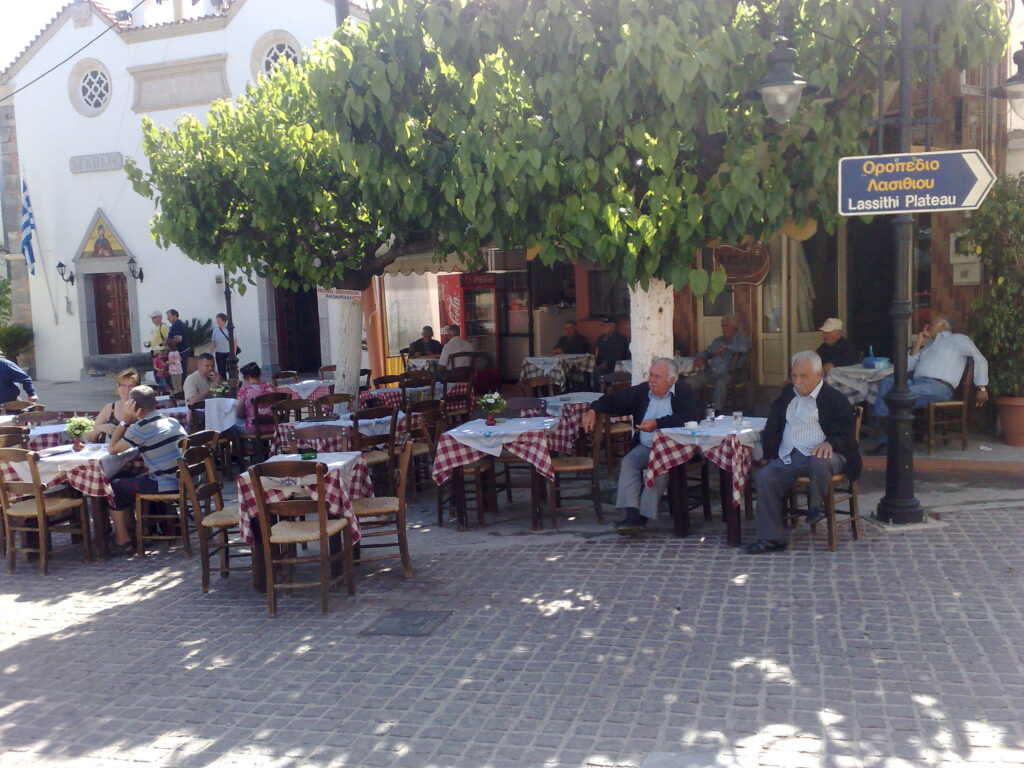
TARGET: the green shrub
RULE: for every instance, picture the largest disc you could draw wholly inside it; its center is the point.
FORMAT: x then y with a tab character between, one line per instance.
198	332
15	339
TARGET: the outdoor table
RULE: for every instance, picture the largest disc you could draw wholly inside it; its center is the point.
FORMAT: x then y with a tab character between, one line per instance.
728	447
569	409
48	436
310	389
558	368
179	412
348	478
284	434
857	383
392	396
87	471
220	413
525	438
422	364
684	364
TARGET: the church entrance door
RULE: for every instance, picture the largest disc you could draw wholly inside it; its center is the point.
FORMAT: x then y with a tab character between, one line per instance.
113	321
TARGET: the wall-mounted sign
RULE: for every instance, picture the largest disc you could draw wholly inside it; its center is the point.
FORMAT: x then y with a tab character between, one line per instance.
743	266
108	161
339	294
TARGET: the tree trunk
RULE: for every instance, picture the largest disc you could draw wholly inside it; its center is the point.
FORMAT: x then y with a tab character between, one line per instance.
650	314
345	319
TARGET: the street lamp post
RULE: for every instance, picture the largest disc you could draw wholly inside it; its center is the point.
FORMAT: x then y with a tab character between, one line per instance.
232	360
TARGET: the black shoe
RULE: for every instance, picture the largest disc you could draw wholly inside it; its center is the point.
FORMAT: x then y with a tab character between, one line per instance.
879	450
763	546
631	525
815	516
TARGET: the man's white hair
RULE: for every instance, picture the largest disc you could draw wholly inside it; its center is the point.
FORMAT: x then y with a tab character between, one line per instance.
670	364
807	354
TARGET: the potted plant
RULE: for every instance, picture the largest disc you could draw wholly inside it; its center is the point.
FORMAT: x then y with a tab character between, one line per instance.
15	339
493	403
996	232
78	427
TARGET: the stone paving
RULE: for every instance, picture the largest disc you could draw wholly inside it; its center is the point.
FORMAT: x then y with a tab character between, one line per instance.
576	648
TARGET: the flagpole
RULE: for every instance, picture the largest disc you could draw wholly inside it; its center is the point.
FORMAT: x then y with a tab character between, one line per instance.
34	232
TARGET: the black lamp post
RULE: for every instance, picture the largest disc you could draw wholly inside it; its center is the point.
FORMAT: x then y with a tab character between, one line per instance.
62	270
232	357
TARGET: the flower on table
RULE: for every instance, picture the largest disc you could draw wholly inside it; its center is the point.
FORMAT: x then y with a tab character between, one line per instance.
492	402
79	426
220	390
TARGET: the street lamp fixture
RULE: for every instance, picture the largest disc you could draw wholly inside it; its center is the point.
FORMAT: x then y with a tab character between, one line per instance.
1013	89
781	88
62	270
134	270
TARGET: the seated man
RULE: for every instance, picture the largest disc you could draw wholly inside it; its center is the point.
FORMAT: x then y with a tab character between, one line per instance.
571	343
611	347
810	433
426	345
455	344
197	385
662	401
835	350
937	360
714	364
157	438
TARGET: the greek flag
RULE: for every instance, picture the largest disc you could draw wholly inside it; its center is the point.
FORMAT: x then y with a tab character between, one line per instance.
28	226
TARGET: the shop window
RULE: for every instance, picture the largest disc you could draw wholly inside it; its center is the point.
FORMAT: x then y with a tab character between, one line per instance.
608	296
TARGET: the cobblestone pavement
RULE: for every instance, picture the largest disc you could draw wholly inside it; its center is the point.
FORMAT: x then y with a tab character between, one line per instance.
569	649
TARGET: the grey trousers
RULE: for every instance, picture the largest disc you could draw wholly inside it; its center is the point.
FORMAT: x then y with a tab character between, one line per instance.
698	380
774	480
632	492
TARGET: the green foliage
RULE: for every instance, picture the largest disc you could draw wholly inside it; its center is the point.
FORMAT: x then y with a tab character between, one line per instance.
15	339
996	230
198	332
6	307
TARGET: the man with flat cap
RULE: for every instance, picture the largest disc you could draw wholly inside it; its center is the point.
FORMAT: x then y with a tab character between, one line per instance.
835	351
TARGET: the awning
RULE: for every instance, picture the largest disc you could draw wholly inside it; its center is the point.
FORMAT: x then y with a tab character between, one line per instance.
418	263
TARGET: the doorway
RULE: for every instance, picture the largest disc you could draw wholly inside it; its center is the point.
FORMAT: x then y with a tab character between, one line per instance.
113	321
298	330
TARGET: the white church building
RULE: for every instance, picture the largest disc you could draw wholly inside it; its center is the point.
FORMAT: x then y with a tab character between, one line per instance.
72	119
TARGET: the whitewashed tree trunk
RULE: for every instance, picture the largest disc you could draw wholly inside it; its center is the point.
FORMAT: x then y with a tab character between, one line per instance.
650	315
346	327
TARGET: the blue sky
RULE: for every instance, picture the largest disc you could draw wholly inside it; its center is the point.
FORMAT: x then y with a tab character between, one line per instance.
22	20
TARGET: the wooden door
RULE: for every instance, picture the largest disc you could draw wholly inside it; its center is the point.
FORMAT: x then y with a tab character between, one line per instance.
298	330
113	322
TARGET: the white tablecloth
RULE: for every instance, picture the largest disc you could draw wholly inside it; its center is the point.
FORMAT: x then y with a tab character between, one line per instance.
303	389
342	461
422	364
685	365
476	434
554	405
220	413
706	437
858	383
7	419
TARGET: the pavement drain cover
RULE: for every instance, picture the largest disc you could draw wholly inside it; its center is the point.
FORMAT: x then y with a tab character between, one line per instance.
407	623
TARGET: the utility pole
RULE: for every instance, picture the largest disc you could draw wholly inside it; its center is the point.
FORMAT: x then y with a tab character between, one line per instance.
340	11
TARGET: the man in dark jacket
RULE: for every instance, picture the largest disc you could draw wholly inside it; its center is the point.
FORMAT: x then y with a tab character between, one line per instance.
10	377
835	351
663	401
810	433
611	347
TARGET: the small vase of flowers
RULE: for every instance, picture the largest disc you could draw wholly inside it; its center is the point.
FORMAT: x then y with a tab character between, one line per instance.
493	403
78	427
220	390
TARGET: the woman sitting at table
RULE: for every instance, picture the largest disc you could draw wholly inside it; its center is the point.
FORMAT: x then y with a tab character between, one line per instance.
251	389
113	413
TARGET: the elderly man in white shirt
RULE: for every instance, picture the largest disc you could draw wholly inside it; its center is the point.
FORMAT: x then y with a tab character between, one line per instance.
455	344
937	361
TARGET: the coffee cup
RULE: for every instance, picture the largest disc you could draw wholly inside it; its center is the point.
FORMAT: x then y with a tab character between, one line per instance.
691	424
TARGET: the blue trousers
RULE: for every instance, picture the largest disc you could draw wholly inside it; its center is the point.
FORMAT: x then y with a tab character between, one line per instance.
927	391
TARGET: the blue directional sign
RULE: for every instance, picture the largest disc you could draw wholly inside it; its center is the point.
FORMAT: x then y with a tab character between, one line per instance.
913	183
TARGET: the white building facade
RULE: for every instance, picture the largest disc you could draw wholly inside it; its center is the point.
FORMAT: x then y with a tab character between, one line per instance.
74	127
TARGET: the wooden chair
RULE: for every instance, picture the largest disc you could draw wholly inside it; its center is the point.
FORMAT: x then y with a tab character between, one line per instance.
38	418
383	382
280	537
615	382
258	443
325	369
537	386
424	443
12	436
312	434
36	515
215	523
378	450
284	377
197	415
385	516
211	440
516	406
364	379
736	390
479	480
948	418
287	411
405	358
414	380
145	516
574	475
461	360
328	404
840	489
457	404
617	437
20	406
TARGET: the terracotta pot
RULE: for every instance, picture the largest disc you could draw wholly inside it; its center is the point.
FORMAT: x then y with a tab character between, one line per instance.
1011	415
490	422
78	444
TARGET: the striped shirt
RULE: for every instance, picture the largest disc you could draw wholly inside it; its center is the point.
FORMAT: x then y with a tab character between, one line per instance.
803	431
157	438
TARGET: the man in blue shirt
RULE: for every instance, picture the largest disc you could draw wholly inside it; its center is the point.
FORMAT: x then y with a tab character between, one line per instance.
10	377
179	339
661	401
157	438
715	363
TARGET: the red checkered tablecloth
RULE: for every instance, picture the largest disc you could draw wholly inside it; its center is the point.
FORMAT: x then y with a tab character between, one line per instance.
284	435
343	483
532	447
319	391
729	454
87	476
39	441
391	397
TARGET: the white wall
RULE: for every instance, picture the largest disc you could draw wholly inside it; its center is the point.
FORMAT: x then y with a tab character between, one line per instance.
50	131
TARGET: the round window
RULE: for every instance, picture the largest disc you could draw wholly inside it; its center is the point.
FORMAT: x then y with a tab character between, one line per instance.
95	89
278	52
90	87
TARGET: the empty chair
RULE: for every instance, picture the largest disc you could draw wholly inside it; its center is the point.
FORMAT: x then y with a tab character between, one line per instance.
537	386
364	379
285	524
13	436
413	384
457	394
384	516
378	449
37	418
615	382
20	406
286	411
329	405
327	371
516	407
320	437
284	377
575	481
383	382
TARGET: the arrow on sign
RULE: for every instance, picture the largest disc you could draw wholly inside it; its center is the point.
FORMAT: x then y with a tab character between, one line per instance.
976	163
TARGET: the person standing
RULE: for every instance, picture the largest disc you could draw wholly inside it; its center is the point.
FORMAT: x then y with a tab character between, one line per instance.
10	377
177	336
160	333
221	344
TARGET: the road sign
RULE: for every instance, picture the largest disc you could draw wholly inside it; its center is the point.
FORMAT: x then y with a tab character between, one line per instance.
918	182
